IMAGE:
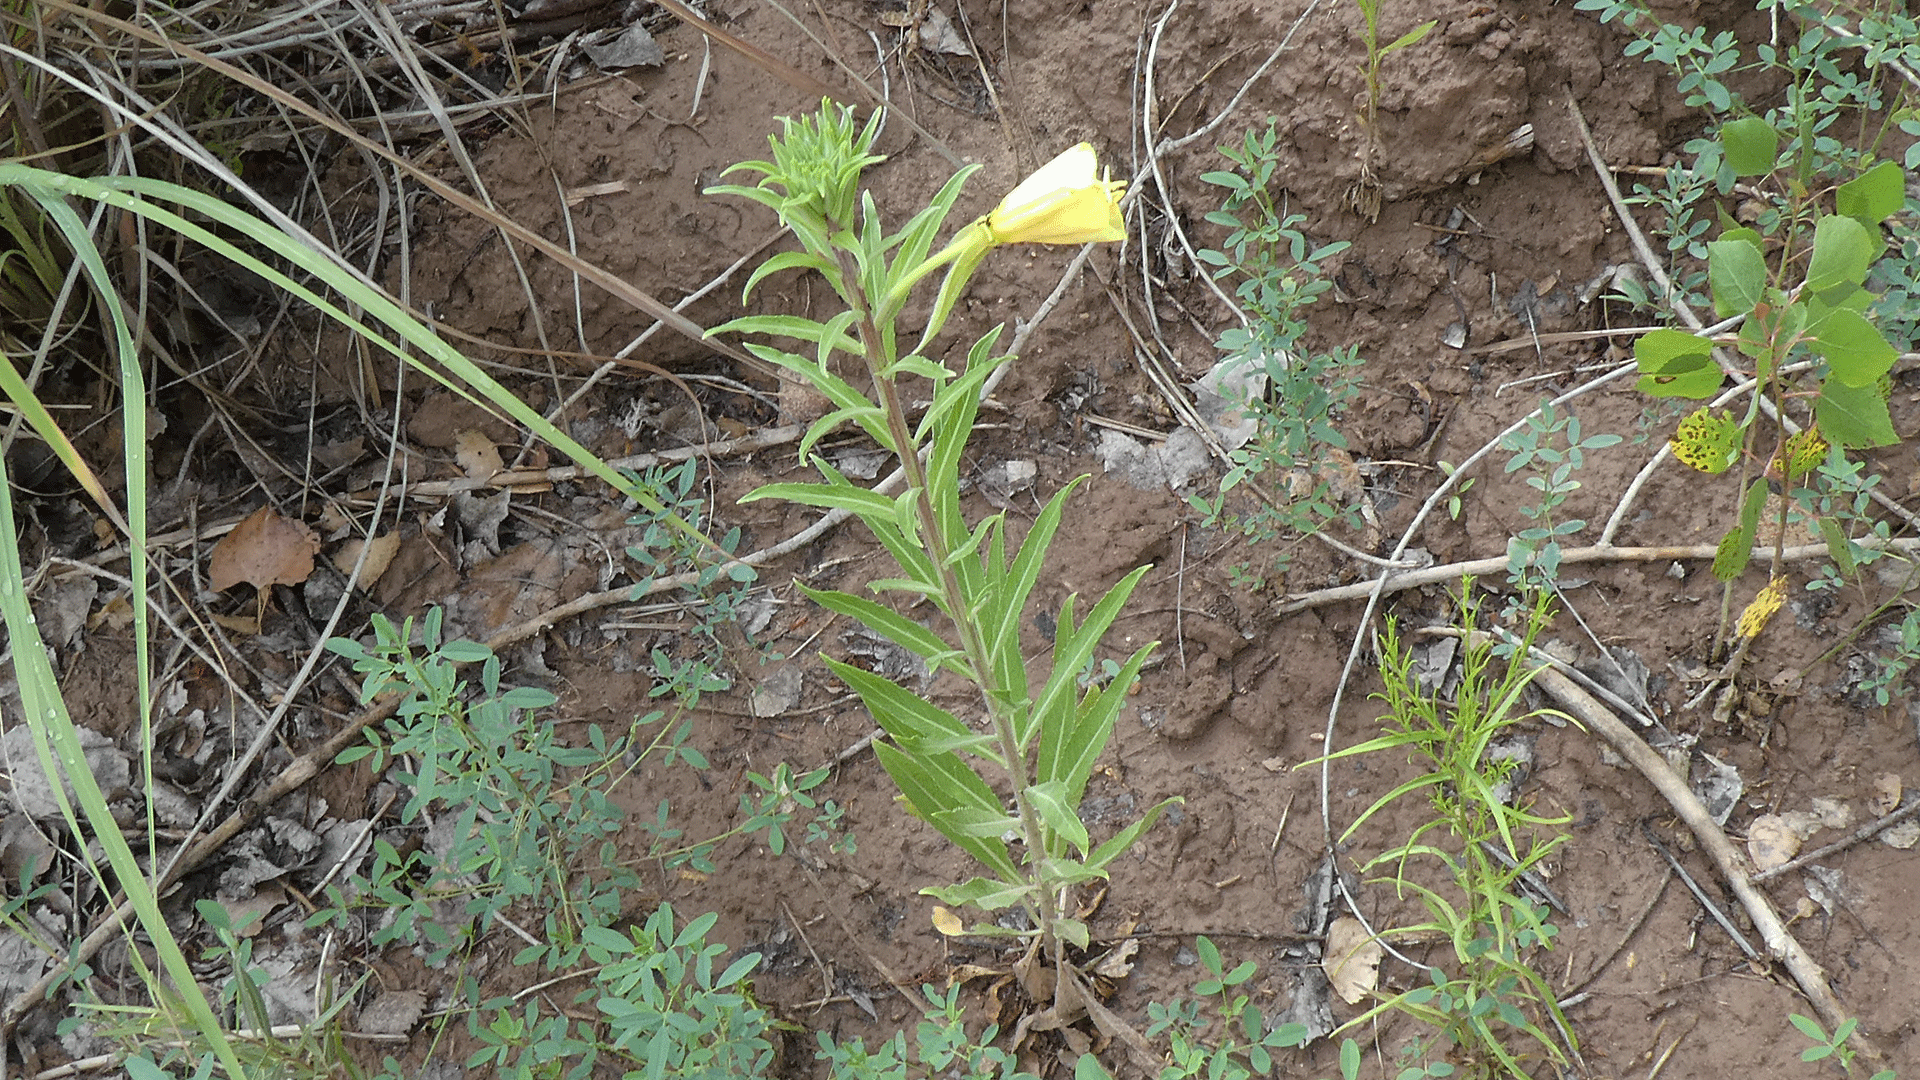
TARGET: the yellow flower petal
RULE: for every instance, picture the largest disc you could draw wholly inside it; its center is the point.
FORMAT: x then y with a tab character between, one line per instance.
1064	202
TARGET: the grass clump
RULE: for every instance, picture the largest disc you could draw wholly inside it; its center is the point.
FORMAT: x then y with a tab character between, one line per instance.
1466	861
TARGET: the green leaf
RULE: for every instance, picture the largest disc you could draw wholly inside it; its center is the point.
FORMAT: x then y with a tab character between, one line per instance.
1874	195
918	725
1088	1068
1855	417
1854	348
932	783
1119	842
1839	549
1730	558
1066	750
888	623
1737	274
1752	146
987	894
1051	802
1411	37
1843	249
1676	364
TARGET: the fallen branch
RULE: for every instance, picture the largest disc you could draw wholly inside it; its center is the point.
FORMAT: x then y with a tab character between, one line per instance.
1598	553
1732	865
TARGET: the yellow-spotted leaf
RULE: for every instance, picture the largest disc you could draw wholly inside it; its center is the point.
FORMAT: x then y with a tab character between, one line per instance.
1763	607
1804	452
1707	442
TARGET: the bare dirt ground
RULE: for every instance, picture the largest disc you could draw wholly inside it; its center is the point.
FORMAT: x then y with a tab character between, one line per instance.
1242	690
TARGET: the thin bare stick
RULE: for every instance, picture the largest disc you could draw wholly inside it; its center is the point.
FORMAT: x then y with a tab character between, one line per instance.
1861	835
1598	553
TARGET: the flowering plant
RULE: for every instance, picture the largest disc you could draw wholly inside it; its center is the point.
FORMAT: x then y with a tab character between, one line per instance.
1036	744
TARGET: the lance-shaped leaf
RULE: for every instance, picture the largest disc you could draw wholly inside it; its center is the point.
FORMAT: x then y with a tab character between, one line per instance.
1070	759
1119	842
1056	809
918	725
1055	709
938	783
883	620
987	894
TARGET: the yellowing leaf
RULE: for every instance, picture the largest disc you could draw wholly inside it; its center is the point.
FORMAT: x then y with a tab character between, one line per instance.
1754	618
1707	442
947	922
1804	452
1352	959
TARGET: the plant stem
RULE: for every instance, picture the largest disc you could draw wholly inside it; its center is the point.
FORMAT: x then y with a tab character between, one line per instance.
874	351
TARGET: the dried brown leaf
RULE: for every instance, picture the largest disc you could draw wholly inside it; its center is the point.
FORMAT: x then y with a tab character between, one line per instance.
1353	960
475	453
393	1013
1772	841
380	552
264	550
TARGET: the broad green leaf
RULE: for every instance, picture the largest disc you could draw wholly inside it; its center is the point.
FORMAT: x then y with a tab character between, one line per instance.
1744	235
1855	417
1051	801
1076	932
1676	364
1843	249
1853	347
1874	195
1737	274
1088	1067
1752	146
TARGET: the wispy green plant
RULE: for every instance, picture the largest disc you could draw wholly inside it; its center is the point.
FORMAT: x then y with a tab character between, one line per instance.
1039	742
1276	275
1486	994
1550	449
303	271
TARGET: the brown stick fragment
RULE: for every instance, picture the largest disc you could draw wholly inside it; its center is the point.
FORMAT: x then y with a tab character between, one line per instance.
1864	833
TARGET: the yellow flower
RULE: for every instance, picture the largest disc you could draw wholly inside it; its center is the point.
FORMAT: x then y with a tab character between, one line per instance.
1066	202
